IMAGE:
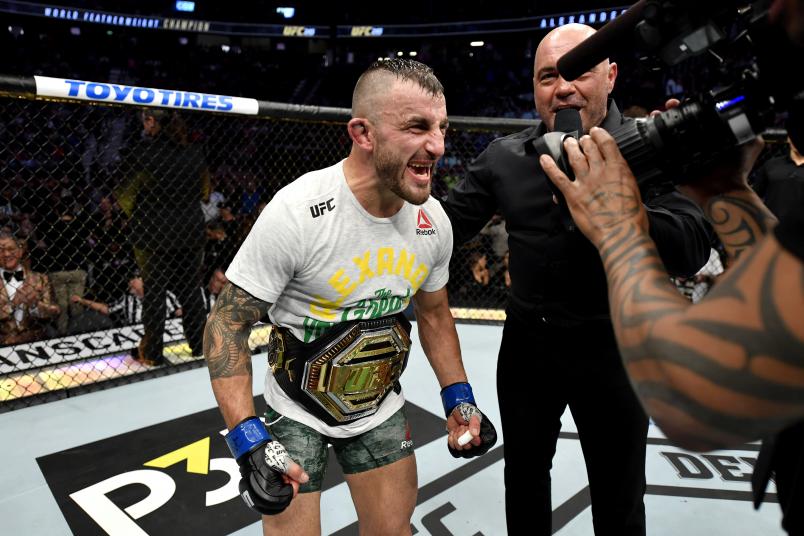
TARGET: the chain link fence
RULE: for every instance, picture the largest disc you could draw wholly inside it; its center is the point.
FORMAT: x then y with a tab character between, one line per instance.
107	224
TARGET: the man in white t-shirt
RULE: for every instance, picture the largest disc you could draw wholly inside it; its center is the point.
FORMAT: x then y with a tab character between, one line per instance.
332	262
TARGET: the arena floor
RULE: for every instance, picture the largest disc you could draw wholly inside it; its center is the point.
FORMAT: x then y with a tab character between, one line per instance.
148	458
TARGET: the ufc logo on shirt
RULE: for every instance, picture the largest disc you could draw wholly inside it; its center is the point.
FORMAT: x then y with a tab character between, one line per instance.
323	206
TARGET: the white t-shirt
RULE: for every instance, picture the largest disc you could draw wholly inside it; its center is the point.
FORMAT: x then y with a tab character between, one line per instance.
321	259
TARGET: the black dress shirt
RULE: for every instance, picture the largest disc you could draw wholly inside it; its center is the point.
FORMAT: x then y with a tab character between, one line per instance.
557	272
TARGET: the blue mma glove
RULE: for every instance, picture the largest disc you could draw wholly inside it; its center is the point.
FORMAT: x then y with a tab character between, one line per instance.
459	396
262	462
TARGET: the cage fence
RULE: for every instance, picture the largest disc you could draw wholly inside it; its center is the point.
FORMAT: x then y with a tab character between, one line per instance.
100	217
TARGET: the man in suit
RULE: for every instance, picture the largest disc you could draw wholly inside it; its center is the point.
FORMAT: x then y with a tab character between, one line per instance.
26	299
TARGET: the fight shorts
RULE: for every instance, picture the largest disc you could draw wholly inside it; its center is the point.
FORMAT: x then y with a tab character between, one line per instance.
387	443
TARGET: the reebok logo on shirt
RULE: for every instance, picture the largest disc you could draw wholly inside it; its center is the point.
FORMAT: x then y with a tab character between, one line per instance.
423	225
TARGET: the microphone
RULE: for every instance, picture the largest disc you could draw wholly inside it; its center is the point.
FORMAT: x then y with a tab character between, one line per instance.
568	120
567	124
598	46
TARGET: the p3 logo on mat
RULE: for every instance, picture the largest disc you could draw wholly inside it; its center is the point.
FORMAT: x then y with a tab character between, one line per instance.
141	482
161	486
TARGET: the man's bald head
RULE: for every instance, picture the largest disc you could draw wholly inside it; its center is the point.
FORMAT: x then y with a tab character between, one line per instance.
380	75
588	93
563	39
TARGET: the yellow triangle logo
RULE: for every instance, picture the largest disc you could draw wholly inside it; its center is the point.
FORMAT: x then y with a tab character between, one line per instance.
196	454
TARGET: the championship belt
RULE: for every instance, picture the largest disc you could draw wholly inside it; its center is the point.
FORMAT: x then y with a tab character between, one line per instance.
346	373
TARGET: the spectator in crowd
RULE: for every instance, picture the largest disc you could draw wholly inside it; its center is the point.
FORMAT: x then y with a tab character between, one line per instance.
127	309
489	289
93	317
478	263
251	196
166	180
471	282
25	226
497	237
13	209
228	220
212	203
26	301
213	288
219	250
111	255
107	221
67	246
8	207
48	194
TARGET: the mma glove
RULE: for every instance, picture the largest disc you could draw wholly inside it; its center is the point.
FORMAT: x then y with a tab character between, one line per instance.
459	396
263	462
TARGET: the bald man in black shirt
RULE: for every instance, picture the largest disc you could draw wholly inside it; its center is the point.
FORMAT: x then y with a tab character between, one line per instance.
558	346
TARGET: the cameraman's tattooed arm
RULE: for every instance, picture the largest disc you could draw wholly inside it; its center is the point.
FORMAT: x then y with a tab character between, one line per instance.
730	368
227	351
740	220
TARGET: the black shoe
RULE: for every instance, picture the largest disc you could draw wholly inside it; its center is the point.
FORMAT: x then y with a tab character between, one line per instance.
148	362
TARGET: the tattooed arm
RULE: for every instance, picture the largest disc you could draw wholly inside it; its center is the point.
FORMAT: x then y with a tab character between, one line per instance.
726	370
227	352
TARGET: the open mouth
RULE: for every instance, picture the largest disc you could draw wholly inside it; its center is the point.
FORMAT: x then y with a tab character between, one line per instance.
421	172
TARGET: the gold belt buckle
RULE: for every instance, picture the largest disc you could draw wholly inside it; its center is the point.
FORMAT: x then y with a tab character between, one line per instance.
276	354
352	375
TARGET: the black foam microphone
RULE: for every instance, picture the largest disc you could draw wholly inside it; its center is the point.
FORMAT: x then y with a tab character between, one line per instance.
567	124
568	120
600	45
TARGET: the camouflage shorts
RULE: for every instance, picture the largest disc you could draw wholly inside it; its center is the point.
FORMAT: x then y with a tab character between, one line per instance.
383	445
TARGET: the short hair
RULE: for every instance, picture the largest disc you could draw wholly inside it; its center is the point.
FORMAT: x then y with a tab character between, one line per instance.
401	68
171	122
216	225
5	235
474	256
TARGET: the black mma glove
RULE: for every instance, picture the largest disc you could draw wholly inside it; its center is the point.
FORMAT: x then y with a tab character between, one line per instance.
459	396
262	462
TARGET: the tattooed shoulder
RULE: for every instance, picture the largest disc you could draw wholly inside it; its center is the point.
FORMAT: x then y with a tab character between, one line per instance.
240	305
